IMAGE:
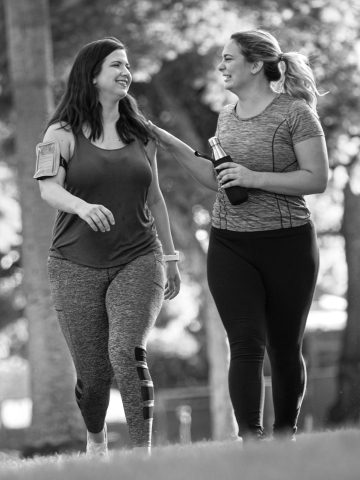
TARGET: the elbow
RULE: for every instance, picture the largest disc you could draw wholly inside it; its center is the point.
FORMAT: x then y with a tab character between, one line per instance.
323	185
45	192
320	185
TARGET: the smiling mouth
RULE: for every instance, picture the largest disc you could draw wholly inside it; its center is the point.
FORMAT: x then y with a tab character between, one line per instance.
226	77
123	83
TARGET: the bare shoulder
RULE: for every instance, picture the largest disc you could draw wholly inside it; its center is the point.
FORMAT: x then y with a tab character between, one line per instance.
63	134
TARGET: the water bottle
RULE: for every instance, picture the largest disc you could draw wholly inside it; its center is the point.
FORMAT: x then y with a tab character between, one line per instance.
236	194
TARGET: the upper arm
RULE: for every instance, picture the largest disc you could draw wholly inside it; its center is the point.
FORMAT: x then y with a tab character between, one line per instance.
154	194
308	140
311	155
66	141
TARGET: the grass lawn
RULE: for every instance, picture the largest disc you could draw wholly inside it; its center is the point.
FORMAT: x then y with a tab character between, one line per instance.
318	456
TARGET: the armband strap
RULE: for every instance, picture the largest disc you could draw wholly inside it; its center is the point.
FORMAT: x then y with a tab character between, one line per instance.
63	163
48	160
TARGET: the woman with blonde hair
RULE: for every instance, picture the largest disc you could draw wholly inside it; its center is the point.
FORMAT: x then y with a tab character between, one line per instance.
263	254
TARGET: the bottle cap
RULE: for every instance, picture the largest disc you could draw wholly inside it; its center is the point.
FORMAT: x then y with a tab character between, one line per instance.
213	141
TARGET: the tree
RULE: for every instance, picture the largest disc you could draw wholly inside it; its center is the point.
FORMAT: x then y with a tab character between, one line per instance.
55	413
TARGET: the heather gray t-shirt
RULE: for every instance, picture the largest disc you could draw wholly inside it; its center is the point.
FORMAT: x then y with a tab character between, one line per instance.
265	143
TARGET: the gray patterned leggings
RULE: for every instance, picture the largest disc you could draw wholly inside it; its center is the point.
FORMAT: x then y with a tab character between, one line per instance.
106	315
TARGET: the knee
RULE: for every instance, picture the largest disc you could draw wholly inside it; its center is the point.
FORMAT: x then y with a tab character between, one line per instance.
251	348
93	389
284	355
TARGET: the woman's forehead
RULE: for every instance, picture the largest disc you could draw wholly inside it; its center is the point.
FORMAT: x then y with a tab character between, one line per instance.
231	48
118	54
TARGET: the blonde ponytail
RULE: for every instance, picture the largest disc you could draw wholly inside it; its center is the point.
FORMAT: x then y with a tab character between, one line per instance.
289	72
298	78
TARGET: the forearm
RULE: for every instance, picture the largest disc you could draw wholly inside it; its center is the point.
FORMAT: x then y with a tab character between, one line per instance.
56	196
298	183
159	212
199	168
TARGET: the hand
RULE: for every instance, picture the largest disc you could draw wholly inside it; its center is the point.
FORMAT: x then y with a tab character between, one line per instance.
162	137
232	174
172	286
97	216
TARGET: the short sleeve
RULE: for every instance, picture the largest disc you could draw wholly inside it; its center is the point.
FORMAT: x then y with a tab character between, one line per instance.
303	122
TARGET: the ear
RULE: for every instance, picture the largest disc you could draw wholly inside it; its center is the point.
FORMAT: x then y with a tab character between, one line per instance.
256	67
94	81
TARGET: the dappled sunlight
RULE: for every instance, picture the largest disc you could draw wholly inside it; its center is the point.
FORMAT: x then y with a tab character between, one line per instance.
175	339
10	214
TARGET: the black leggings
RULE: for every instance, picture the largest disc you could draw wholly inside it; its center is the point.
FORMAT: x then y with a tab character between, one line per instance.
263	285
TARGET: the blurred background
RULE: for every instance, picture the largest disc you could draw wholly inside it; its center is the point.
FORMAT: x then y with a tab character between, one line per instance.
174	48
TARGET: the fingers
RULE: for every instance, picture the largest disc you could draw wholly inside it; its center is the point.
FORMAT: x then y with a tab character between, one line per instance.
172	286
109	217
225	178
101	221
162	137
224	165
98	217
154	128
92	224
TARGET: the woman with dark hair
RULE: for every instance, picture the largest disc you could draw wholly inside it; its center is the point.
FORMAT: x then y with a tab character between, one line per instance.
263	254
107	271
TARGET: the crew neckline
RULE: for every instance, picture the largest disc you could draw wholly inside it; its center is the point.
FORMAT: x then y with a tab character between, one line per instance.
257	115
104	149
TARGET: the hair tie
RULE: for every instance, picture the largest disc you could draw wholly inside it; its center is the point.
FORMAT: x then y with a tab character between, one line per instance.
281	57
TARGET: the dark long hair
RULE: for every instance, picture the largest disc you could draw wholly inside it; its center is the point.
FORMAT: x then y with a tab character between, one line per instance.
294	77
80	104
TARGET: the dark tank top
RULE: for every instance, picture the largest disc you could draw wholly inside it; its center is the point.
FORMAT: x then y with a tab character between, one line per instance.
119	180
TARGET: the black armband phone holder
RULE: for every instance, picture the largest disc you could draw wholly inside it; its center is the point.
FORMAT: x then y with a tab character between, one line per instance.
48	160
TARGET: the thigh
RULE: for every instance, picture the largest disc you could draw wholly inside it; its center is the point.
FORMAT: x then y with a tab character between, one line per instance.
237	289
134	299
289	268
78	294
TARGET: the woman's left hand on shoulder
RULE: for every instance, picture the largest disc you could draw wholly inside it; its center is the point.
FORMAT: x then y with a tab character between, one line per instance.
173	280
232	174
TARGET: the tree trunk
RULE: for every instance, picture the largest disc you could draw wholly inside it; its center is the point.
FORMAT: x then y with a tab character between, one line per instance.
55	417
347	407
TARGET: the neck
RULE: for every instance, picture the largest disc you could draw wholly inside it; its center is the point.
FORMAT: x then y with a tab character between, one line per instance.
254	98
110	110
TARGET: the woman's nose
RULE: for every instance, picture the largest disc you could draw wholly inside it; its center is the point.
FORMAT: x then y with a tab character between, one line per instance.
220	66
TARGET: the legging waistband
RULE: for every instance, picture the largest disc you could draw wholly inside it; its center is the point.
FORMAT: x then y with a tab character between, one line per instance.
282	232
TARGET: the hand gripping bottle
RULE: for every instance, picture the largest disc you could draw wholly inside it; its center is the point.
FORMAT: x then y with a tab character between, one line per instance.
236	194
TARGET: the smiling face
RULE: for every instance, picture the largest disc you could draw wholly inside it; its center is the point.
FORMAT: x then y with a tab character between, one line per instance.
236	70
114	79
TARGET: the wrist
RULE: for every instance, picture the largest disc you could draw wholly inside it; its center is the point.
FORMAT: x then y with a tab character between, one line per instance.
174	257
79	205
258	180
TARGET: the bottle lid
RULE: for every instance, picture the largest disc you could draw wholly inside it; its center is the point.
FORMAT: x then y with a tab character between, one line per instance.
213	141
